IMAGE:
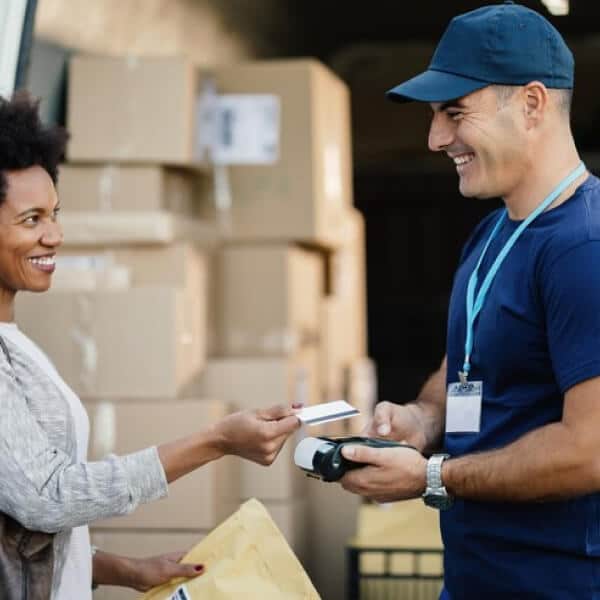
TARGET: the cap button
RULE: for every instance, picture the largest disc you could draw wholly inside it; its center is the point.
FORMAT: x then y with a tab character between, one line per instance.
508	2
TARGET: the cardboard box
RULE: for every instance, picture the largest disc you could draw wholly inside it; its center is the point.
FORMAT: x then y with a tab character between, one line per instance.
282	480
332	522
344	309
303	195
269	299
199	500
362	392
182	264
126	228
132	109
145	542
144	342
139	544
112	187
334	347
260	383
291	517
348	282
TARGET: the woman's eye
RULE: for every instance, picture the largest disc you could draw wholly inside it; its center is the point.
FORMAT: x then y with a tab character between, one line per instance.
32	220
55	214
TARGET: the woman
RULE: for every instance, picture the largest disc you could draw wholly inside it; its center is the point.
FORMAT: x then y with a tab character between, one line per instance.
47	485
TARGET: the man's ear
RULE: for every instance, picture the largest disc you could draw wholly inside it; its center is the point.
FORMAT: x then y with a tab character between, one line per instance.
535	103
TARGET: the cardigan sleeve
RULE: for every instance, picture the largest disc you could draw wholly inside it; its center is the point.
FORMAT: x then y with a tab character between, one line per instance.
45	491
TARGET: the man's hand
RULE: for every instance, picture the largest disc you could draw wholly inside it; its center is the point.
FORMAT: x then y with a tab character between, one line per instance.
402	423
257	435
391	473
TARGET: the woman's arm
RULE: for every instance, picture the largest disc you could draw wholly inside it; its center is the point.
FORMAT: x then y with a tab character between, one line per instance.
43	491
140	574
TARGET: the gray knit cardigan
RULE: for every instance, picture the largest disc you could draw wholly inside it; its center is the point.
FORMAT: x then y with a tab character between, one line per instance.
41	484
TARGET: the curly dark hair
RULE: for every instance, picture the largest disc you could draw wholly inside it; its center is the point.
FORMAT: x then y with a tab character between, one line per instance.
25	141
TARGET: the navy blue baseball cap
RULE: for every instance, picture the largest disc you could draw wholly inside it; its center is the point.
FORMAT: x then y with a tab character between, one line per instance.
503	44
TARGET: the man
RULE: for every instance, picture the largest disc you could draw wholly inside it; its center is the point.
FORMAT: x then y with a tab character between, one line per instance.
515	404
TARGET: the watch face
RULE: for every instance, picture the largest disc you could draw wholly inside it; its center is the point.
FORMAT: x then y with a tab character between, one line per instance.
439	501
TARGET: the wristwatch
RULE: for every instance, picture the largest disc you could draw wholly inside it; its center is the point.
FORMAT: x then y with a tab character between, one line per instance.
436	494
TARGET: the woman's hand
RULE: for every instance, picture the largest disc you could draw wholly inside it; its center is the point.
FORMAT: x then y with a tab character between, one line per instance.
141	574
156	570
257	435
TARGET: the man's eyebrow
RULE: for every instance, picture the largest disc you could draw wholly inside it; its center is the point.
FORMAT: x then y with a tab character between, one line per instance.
451	104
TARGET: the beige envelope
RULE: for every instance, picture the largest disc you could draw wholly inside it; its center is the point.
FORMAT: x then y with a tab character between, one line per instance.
245	557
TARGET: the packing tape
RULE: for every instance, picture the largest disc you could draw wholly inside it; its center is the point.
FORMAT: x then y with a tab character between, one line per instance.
106	186
104	429
88	354
223	200
301	386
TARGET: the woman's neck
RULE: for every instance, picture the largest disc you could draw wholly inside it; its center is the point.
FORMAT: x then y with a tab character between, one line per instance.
7	306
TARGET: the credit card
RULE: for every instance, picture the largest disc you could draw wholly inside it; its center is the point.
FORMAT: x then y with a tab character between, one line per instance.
328	411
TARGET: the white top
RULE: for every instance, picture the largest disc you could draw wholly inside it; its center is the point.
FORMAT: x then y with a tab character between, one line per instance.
76	579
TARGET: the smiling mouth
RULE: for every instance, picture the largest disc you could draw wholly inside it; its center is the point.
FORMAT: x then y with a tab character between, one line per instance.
462	161
43	263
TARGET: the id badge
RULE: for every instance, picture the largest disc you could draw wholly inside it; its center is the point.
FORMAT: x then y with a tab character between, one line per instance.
463	407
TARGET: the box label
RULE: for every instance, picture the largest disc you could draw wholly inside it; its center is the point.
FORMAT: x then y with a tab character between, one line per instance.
181	593
247	129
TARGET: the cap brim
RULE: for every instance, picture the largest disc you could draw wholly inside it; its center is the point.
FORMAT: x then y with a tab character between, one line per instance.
435	86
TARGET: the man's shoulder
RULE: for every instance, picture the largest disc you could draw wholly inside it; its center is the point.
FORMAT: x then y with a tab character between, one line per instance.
573	234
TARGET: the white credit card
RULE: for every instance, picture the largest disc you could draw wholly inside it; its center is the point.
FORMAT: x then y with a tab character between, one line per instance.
328	411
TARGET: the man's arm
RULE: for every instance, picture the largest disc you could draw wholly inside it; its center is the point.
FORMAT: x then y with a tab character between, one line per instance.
558	460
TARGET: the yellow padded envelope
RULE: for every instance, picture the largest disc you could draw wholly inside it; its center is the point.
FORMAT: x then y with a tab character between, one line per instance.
245	557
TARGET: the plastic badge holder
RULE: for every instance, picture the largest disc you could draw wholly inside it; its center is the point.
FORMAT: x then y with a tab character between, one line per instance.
322	457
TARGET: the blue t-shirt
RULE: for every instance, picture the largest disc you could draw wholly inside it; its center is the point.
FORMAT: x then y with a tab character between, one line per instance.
537	335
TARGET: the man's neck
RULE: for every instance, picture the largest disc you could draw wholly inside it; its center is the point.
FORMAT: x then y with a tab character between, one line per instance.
544	174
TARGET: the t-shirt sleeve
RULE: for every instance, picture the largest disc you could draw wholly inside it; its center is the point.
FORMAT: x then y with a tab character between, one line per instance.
571	295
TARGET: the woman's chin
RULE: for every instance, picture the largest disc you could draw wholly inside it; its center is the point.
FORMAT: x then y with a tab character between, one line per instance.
37	286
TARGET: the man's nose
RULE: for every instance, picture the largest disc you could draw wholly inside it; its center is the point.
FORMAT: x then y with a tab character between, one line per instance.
441	132
53	234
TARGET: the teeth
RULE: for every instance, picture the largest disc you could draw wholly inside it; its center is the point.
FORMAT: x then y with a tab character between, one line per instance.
43	260
463	159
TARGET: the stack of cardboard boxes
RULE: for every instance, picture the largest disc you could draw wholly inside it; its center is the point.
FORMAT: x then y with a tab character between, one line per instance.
162	321
126	320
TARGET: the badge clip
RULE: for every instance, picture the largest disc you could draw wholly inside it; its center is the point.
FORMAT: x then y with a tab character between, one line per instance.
462	376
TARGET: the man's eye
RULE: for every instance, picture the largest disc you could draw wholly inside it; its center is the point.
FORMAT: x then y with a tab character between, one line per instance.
32	220
455	115
55	213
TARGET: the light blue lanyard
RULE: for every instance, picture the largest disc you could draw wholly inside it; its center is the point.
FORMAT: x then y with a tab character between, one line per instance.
474	304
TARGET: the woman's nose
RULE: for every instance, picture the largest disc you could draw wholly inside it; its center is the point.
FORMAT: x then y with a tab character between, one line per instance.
53	234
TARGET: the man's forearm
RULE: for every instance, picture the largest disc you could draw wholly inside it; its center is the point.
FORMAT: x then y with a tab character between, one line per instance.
548	463
430	410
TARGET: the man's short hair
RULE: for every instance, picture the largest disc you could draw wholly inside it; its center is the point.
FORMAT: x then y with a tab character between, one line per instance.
563	97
